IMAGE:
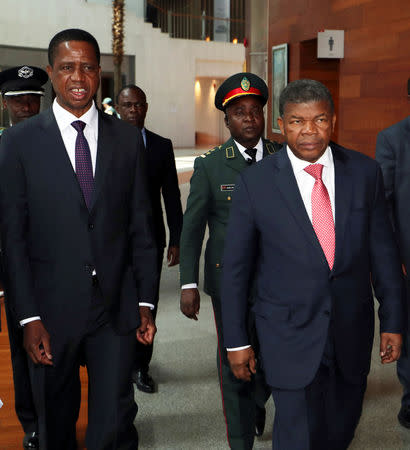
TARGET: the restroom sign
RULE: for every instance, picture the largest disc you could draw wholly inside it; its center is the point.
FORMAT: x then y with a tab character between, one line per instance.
330	44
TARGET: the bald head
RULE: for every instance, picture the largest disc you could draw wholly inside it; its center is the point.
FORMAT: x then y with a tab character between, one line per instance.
132	105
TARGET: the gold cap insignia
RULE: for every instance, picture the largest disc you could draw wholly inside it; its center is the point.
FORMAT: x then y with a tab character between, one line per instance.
245	84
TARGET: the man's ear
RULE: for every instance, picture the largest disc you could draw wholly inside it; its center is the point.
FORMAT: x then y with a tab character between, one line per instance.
4	103
226	120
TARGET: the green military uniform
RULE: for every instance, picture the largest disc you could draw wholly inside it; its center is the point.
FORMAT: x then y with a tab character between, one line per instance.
209	202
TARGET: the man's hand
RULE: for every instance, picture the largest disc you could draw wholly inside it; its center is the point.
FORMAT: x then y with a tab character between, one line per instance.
173	256
189	303
243	363
37	343
390	347
147	329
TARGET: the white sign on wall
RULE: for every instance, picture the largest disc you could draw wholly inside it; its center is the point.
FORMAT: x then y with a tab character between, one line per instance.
330	44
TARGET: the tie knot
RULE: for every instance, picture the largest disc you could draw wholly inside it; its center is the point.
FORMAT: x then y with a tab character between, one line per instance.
315	170
78	125
252	153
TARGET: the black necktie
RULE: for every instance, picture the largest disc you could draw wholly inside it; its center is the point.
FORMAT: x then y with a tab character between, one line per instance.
252	153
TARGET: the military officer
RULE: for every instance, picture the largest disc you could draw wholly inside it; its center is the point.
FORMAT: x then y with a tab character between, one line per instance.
242	98
21	89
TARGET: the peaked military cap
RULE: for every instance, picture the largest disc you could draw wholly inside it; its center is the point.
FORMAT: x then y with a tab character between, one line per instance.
22	80
239	85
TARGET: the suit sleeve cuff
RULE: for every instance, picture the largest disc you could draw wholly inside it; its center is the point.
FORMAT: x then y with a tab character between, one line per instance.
29	319
189	286
150	305
236	349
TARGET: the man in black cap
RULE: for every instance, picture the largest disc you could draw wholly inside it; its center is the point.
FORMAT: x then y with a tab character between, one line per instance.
242	98
21	90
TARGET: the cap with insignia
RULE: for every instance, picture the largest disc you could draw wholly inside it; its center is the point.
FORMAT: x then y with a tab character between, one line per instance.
239	85
22	80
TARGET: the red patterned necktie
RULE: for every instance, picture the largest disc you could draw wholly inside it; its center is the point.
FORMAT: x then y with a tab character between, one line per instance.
83	164
322	216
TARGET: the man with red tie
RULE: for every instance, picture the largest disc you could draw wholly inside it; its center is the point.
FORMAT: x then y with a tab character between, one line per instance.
314	233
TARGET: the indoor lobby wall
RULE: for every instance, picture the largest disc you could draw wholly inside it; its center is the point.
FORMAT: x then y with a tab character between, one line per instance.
372	77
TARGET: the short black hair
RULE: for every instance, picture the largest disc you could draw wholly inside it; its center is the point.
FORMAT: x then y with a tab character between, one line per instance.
304	91
71	34
131	86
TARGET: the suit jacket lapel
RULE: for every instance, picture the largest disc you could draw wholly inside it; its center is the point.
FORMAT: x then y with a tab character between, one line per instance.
343	195
56	153
289	190
105	146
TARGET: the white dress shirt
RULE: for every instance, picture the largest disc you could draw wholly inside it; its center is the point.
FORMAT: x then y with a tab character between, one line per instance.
69	135
241	148
305	184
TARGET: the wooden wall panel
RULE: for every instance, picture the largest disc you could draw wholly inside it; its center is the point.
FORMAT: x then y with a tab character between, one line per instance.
372	78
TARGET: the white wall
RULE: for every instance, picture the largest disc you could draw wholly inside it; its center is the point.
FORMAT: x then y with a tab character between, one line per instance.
166	68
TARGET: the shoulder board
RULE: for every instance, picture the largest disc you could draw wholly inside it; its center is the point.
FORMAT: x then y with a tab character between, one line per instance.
204	155
272	146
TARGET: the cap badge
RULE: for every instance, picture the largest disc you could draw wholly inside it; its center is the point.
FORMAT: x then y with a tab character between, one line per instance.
245	84
25	72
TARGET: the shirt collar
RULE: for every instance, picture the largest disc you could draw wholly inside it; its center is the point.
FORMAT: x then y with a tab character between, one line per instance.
241	148
298	165
64	118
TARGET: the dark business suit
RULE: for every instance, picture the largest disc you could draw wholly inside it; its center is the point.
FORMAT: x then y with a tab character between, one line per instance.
309	318
52	244
23	395
161	178
393	154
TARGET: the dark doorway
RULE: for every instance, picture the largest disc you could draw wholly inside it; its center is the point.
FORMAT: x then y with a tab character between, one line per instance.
324	70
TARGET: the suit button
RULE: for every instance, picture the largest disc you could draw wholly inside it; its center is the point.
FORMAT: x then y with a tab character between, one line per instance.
326	313
91	226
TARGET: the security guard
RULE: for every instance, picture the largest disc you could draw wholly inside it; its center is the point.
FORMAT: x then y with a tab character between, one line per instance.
21	89
242	98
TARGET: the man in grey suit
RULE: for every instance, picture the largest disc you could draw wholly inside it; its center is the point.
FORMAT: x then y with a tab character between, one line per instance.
393	154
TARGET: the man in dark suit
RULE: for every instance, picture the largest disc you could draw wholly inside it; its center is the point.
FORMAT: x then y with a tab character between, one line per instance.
21	89
393	154
78	251
242	98
162	178
314	231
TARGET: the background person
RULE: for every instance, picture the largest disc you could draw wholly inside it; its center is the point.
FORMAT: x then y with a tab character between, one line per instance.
21	88
242	98
162	179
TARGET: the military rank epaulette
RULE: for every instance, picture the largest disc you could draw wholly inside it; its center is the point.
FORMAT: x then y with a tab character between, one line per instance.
204	155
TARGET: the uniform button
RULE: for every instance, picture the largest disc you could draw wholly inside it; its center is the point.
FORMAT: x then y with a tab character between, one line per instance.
229	198
217	264
91	226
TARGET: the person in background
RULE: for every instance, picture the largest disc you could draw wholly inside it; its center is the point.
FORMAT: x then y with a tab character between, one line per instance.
241	98
162	179
393	155
108	107
21	88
